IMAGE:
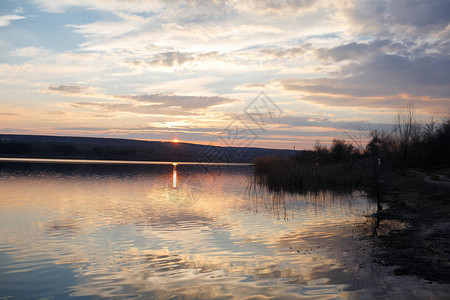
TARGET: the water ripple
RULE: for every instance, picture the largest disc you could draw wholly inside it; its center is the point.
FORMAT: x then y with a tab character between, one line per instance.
122	233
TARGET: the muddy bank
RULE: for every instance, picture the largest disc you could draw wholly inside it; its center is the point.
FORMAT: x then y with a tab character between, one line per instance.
412	229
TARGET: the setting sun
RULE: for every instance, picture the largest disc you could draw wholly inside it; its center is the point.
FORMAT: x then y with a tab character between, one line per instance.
175	140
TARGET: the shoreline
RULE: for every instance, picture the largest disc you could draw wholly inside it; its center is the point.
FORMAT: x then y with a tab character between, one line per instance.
105	161
412	232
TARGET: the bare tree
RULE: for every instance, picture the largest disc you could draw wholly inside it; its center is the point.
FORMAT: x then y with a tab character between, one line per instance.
430	129
405	130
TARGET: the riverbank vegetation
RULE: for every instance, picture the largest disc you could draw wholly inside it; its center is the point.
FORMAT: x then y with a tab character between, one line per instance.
346	165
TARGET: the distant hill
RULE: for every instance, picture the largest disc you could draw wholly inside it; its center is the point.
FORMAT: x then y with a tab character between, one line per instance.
42	146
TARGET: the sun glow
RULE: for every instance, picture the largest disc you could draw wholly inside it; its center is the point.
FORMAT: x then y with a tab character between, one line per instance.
175	141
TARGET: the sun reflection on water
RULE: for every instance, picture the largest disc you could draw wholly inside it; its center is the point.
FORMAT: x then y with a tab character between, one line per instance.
174	175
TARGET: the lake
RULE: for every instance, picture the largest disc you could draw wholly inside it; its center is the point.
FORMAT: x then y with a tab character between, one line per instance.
183	231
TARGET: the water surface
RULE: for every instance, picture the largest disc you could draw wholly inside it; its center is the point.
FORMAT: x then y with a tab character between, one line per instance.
183	231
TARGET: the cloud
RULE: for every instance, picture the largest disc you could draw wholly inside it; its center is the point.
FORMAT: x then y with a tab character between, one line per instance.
156	104
61	6
56	112
170	59
31	51
71	90
6	19
414	17
275	7
279	52
351	51
184	86
191	37
137	108
393	74
148	109
196	10
404	57
182	102
8	114
6	130
419	14
380	80
106	30
325	124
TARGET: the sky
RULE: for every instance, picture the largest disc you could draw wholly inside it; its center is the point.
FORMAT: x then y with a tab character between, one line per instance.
275	74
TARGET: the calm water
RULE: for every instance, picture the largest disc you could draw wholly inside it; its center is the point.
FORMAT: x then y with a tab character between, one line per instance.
164	231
